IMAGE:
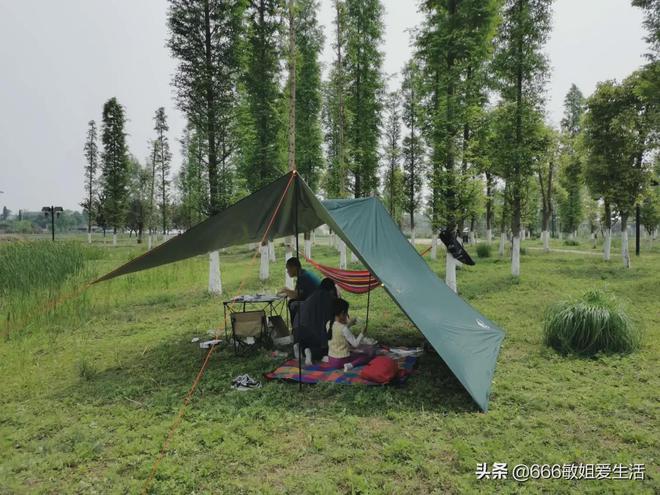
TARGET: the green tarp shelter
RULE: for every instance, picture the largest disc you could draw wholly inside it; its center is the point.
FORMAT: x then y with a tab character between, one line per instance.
465	339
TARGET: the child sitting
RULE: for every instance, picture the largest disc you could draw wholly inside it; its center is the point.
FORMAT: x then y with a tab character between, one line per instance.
341	340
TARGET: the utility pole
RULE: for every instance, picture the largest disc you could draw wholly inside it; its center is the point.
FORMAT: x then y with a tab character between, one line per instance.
52	211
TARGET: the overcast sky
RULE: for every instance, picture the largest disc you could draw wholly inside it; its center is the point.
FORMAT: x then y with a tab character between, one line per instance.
61	60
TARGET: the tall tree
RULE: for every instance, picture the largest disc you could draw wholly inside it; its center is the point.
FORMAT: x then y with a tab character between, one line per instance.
163	157
454	41
392	190
262	151
521	69
91	169
192	181
115	169
651	10
618	136
364	60
546	172
204	37
412	147
571	164
334	112
138	197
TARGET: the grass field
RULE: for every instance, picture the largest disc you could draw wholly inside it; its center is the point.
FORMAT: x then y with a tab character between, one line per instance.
89	392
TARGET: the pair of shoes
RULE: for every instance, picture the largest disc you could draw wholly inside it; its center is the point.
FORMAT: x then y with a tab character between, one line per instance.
348	367
245	382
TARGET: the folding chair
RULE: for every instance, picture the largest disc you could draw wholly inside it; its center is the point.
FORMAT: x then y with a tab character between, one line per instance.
248	329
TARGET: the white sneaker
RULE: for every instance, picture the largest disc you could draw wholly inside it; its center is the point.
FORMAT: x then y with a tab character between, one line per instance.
325	359
348	367
308	357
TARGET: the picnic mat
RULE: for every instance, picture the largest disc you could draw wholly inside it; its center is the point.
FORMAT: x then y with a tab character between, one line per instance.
288	371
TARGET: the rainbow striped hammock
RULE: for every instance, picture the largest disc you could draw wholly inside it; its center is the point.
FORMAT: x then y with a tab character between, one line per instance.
354	281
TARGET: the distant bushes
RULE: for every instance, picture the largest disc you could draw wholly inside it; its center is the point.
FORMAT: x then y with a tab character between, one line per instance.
484	250
571	242
594	323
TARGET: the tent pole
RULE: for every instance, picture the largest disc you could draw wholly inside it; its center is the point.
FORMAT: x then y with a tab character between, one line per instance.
366	324
295	219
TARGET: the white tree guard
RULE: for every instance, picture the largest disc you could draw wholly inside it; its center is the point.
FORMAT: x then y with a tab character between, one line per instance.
308	248
215	277
450	271
607	245
545	236
264	271
342	254
625	253
515	257
271	251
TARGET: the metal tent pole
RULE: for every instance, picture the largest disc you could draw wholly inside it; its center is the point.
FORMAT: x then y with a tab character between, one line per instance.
295	219
366	324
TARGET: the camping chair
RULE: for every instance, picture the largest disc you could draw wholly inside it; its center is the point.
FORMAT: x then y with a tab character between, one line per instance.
248	330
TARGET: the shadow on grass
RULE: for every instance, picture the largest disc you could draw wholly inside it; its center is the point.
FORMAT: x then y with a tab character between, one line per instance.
157	381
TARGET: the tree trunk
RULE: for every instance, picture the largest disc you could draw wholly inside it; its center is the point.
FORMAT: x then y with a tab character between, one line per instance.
308	245
149	241
450	272
342	254
215	277
271	251
292	89
625	254
515	257
288	281
545	235
434	245
114	238
264	267
500	251
89	237
489	235
412	236
593	240
608	232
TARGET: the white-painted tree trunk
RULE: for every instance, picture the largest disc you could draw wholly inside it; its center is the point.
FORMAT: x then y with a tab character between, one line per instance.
412	237
354	258
489	236
561	235
471	238
89	237
313	238
265	264
149	241
308	249
271	251
545	236
114	239
215	278
570	236
450	271
342	254
624	249
515	257
500	251
288	281
434	246
607	245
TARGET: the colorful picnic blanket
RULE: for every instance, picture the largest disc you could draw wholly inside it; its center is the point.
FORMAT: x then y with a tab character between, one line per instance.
288	371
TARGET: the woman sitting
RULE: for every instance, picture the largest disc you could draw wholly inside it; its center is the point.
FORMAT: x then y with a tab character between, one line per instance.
341	340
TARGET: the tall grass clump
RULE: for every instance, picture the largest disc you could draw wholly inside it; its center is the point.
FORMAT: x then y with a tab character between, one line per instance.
594	323
34	275
484	250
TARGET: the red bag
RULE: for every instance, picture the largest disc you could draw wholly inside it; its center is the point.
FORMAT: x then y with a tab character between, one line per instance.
381	369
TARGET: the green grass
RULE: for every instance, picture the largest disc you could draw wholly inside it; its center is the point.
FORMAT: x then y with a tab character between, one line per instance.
484	250
594	323
87	398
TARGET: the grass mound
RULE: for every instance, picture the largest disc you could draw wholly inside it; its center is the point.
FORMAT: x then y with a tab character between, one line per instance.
484	250
594	323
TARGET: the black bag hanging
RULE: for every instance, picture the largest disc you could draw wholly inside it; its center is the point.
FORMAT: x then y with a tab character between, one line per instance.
455	247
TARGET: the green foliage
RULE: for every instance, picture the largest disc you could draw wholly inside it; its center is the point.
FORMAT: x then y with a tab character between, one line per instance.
309	43
161	166
364	85
484	250
594	323
571	242
204	38
91	171
264	126
617	138
115	169
393	193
